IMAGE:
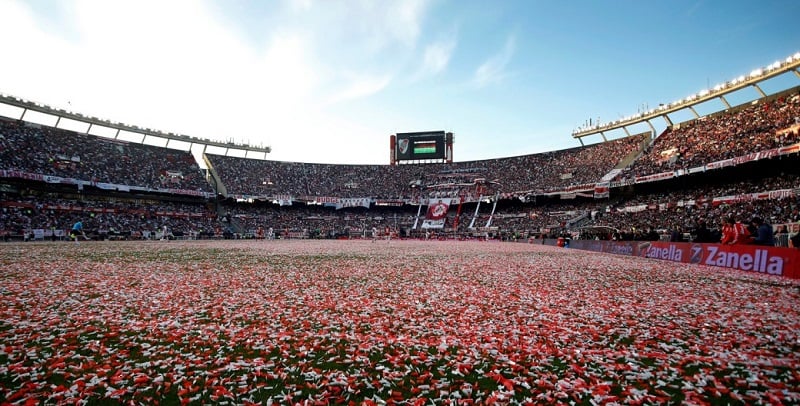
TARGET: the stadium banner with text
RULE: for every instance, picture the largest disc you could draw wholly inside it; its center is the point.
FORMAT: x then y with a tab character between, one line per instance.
779	261
716	201
436	215
353	202
100	185
746	197
21	175
323	199
586	187
283	200
655	177
755	156
390	202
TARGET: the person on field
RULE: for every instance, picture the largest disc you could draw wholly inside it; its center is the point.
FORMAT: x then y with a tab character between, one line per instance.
77	230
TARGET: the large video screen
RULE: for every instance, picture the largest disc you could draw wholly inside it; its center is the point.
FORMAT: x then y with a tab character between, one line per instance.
420	145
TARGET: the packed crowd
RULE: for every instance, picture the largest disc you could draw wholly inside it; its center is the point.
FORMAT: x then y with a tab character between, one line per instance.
43	150
757	127
543	172
103	219
661	217
40	150
35	149
242	176
320	222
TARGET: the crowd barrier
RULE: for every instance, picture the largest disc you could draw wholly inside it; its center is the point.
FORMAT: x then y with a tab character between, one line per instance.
781	261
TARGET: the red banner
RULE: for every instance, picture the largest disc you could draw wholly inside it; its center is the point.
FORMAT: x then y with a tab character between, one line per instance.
601	190
655	177
437	210
780	261
754	258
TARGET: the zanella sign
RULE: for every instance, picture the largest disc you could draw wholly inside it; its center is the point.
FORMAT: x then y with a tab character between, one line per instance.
754	258
759	261
744	257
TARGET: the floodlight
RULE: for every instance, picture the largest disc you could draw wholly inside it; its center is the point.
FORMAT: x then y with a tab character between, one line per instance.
756	73
796	56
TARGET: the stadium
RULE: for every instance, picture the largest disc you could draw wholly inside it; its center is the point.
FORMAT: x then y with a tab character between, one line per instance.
600	274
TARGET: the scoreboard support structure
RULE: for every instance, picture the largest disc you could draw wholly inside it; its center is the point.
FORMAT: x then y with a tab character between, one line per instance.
417	147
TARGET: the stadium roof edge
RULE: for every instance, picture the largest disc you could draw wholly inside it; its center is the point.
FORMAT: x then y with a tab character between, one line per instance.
27	105
790	64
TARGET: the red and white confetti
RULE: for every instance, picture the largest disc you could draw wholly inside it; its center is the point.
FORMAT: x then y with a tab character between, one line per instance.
400	322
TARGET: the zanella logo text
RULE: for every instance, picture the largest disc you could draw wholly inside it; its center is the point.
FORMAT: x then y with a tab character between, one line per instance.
670	253
758	261
621	249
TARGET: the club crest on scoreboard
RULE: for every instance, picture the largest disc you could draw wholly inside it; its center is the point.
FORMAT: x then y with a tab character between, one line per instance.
403	144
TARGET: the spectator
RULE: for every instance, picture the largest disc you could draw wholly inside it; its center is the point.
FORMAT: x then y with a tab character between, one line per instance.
794	237
734	232
764	234
676	234
782	236
702	233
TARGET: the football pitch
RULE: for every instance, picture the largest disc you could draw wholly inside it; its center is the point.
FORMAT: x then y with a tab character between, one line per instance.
387	322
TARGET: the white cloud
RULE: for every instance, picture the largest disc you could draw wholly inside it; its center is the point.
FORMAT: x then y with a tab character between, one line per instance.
404	19
493	70
179	66
360	86
300	5
37	55
435	58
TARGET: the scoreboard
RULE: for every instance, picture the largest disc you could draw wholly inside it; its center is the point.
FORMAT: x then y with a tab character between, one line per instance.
426	145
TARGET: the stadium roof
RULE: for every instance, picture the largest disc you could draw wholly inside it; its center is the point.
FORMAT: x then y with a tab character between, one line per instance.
22	109
777	68
27	110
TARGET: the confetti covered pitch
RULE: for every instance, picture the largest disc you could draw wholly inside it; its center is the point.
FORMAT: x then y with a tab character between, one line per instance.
405	322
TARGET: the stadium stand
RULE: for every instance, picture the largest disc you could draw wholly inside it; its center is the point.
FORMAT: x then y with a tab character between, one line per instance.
769	123
545	172
34	149
104	219
129	190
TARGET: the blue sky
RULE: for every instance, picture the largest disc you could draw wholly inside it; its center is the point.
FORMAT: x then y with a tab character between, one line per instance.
329	81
